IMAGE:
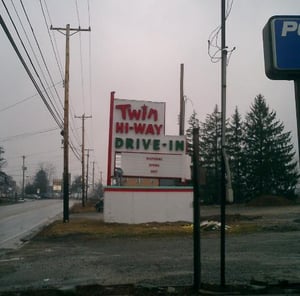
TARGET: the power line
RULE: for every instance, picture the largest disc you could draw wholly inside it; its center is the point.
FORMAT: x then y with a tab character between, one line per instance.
42	56
40	51
214	47
53	44
77	12
17	103
9	36
21	101
28	134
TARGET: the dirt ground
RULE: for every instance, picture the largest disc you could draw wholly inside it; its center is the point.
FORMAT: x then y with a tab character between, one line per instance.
262	256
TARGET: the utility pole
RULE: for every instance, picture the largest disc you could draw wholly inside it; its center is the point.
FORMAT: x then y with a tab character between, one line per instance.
223	127
65	131
24	168
182	103
87	172
83	117
93	180
1	159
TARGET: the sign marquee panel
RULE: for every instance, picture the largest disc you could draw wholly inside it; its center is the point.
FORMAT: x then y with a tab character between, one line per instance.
156	165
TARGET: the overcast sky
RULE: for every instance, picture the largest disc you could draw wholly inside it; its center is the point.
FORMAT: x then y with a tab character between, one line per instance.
135	48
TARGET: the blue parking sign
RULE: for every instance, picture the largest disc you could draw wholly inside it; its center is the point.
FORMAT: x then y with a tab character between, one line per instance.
282	47
286	34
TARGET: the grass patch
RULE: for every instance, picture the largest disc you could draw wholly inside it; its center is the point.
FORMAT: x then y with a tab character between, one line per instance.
98	228
244	228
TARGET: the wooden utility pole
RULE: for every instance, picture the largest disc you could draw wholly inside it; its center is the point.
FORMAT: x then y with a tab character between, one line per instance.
83	117
23	179
65	131
93	180
87	172
182	106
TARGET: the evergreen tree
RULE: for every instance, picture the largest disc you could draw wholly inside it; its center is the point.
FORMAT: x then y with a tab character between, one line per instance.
270	167
193	122
2	160
41	181
76	185
235	152
210	154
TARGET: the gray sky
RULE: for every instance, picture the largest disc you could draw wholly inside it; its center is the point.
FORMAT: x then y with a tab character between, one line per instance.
135	48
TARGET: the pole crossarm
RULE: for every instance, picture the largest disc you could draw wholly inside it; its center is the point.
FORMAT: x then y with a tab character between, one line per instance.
76	30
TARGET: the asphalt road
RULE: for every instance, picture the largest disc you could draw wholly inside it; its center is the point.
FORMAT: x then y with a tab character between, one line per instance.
20	220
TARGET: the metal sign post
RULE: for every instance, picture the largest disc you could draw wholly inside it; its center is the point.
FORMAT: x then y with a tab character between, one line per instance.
297	100
196	229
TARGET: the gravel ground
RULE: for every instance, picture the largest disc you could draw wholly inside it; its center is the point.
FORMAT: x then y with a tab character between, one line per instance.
271	256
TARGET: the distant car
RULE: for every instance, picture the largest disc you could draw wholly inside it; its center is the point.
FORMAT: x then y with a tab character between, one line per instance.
99	205
32	196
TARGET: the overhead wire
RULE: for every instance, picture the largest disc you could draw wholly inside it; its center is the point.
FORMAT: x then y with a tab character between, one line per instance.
22	101
43	94
43	58
28	134
90	76
17	103
57	120
214	48
54	114
81	60
73	130
53	41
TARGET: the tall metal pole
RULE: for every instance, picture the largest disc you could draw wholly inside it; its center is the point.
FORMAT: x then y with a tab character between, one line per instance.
297	100
223	128
196	212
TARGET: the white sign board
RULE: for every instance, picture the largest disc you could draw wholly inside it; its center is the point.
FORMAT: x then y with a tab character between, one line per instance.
156	165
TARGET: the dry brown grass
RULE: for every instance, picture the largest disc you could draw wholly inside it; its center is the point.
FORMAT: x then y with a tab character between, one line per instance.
97	229
88	208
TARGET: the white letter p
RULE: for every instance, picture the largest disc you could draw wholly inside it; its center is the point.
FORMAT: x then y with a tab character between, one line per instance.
288	26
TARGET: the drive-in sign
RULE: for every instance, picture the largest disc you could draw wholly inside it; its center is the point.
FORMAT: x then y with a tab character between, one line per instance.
281	37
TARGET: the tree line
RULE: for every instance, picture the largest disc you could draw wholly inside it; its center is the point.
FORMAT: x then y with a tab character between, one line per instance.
260	153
